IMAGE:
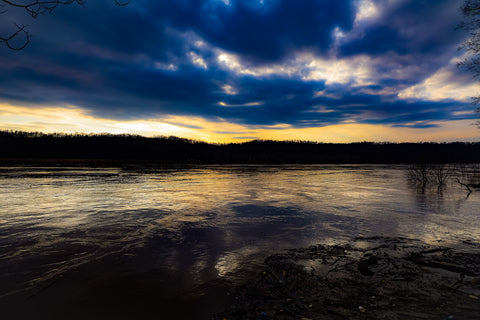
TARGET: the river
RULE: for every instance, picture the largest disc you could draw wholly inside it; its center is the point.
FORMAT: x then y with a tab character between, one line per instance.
167	242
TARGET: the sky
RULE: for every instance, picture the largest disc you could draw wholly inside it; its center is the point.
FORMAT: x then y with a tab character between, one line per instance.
236	70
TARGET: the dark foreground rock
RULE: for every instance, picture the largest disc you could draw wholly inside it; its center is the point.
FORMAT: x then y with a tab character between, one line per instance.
370	278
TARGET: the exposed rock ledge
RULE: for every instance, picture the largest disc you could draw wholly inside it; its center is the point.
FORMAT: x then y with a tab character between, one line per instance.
369	278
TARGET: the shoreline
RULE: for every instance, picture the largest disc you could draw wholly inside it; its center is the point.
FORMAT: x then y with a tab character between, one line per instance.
140	163
368	278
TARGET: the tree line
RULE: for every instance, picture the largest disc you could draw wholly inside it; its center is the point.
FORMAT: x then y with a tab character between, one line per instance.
23	146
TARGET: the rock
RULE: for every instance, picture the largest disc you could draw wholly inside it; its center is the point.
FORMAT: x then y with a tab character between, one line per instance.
370	278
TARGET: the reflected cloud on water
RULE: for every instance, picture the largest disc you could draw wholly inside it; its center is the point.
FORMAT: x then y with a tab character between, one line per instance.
184	227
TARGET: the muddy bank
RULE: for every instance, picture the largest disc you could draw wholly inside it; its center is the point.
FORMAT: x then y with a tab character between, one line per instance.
369	278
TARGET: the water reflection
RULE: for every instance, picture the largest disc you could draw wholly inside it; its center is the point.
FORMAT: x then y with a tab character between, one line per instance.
171	232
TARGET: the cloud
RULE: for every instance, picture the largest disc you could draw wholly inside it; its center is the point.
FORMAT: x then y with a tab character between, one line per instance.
412	34
269	65
403	26
72	119
245	138
198	60
351	89
260	30
367	10
445	84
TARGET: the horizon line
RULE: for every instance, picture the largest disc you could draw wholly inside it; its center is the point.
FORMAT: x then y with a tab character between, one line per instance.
126	134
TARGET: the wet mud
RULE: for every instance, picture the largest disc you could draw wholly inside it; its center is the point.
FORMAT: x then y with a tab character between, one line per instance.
369	278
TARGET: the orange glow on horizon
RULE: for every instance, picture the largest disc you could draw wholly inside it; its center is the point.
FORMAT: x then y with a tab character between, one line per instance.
70	119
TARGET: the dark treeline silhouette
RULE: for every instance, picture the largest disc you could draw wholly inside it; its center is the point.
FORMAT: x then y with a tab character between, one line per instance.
20	146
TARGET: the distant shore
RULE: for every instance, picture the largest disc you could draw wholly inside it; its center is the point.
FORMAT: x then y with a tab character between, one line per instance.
18	147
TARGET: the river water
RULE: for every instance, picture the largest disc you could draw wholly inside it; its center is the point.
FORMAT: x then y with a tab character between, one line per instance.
116	243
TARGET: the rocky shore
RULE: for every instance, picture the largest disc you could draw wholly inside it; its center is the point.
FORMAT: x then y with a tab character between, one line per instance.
369	278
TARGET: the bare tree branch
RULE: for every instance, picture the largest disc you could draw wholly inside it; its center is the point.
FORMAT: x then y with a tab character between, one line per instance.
34	9
20	30
471	12
2	5
122	3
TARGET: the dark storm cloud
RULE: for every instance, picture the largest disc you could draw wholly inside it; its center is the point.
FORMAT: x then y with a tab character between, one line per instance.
261	30
161	58
410	26
138	92
424	32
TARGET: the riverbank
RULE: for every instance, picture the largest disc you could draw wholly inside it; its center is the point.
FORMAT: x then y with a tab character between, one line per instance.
369	278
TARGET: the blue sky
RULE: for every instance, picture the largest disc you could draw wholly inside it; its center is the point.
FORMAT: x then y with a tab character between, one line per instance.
230	70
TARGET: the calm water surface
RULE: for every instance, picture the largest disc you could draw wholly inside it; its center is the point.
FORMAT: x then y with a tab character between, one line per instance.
104	243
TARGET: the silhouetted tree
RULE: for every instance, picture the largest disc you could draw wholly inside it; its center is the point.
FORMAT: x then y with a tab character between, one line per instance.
162	149
20	38
471	11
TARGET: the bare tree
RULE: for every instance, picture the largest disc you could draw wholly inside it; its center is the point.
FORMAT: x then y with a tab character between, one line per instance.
468	175
471	12
423	174
34	9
